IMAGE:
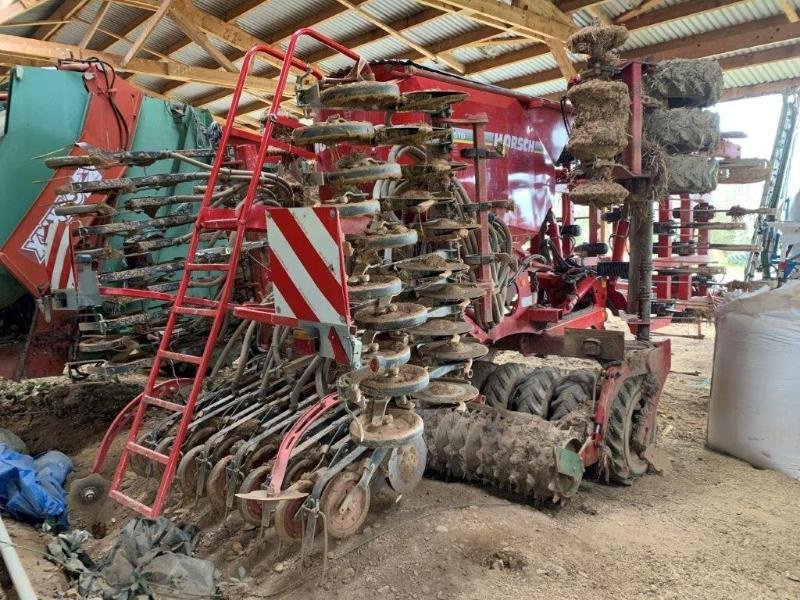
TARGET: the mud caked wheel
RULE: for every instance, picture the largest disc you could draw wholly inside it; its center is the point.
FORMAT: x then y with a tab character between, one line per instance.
624	420
533	395
571	391
289	522
187	473
501	383
344	520
251	509
217	484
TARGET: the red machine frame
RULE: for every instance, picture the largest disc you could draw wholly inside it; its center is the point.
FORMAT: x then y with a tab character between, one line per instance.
538	330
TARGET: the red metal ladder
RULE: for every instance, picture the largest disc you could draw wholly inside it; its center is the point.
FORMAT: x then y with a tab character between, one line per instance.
240	221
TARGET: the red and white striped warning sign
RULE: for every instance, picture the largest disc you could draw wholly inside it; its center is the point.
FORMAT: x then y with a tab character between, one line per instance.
58	256
306	262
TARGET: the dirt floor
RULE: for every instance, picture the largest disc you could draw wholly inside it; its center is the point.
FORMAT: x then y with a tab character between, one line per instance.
710	527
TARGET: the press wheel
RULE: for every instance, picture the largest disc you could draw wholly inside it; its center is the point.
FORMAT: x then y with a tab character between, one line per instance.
399	427
407	380
287	527
187	472
406	465
217	484
399	315
251	509
345	512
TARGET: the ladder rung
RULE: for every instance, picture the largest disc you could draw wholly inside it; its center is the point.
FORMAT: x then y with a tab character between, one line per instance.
147	452
207	267
166	404
195	312
189	358
129	502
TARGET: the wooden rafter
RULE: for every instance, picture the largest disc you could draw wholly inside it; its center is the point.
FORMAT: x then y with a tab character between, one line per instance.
242	9
761	57
422	17
149	27
789	10
655	17
597	14
494	41
34	23
65	11
539	20
185	23
721	41
211	25
92	29
118	37
643	7
563	61
403	39
760	89
29	48
15	9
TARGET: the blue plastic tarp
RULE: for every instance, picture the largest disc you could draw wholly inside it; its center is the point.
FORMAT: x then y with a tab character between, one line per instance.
31	489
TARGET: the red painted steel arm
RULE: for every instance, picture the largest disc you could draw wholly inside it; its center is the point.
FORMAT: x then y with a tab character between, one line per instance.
293	436
126	414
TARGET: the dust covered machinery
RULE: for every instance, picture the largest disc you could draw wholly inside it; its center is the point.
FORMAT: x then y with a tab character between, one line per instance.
100	195
402	235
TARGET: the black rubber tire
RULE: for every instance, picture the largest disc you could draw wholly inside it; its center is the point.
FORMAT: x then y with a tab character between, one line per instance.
533	395
573	390
501	383
481	369
626	465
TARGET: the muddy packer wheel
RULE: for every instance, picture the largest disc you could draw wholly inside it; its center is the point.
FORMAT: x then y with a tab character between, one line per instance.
501	383
624	418
345	512
217	484
533	395
571	391
187	472
251	509
289	523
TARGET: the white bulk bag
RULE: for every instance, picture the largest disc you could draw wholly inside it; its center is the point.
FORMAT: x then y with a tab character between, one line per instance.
754	413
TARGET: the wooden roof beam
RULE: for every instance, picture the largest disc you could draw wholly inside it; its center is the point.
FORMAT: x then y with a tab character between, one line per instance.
95	24
65	11
185	23
539	20
654	17
644	6
228	33
721	41
149	27
789	10
30	48
354	42
15	9
760	89
394	33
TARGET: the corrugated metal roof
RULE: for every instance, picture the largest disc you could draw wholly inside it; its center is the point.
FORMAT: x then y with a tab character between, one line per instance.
40	13
775	71
276	17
